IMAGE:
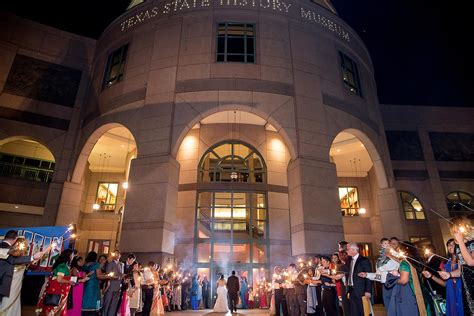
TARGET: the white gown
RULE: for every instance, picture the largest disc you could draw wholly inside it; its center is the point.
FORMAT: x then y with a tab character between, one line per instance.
221	305
11	306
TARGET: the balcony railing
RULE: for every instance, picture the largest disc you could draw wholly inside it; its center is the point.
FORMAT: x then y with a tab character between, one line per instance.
12	170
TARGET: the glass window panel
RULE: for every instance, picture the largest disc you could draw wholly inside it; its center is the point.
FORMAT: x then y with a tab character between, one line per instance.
236	58
419	215
241	253
250	59
258	229
240	213
261	201
220	57
259	214
409	215
222	212
223	199
241	150
221	45
240	199
205	199
221	252
204	252
223	150
464	197
259	253
203	272
250	45
204	229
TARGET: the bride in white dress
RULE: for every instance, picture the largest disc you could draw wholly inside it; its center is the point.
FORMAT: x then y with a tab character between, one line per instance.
221	305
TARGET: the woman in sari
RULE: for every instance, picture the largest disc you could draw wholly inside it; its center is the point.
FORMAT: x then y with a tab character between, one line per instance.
157	308
454	304
59	284
78	289
244	296
91	302
408	296
135	291
194	293
465	254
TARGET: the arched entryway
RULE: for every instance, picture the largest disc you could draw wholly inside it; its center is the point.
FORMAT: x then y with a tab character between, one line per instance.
99	187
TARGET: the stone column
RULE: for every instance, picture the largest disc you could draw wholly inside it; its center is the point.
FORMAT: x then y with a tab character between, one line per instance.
315	214
69	205
390	215
148	228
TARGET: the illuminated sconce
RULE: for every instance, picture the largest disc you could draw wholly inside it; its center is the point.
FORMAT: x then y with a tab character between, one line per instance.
233	175
125	185
95	206
362	210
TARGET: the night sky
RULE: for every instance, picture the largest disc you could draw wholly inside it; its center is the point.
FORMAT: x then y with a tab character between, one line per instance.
418	47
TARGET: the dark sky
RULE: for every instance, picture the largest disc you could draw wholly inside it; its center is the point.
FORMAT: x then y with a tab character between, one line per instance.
418	47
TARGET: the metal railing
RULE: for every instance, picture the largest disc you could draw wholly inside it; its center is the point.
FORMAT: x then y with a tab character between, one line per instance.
24	172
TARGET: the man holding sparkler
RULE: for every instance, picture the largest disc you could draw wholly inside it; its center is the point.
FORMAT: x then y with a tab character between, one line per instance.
8	262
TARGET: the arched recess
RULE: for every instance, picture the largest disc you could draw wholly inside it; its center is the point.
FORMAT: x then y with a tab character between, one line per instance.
373	153
87	148
283	131
27	158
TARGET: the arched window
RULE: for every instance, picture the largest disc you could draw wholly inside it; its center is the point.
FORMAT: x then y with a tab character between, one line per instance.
459	203
411	206
232	162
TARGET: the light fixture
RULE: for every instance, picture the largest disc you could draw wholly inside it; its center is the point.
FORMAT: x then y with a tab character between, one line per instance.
16	206
95	206
125	185
233	175
362	210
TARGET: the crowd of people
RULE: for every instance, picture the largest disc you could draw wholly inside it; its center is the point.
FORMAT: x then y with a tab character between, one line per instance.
414	281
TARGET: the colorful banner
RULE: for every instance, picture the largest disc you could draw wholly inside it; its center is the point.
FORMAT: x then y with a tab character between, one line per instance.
39	238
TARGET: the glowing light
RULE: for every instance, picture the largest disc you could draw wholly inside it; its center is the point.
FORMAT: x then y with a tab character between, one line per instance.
125	185
95	206
362	210
22	246
427	251
54	245
111	274
73	236
305	276
300	260
462	229
334	272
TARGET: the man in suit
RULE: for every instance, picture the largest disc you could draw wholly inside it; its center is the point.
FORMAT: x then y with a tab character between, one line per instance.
434	262
7	264
205	292
357	287
114	270
233	287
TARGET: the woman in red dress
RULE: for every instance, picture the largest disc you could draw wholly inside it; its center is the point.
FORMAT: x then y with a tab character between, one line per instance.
59	283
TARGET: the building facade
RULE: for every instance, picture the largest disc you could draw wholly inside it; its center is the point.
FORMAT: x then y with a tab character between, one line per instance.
220	135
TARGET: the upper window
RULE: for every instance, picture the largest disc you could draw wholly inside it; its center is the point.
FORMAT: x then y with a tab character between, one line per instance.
232	162
459	203
411	206
107	196
236	42
349	201
115	67
350	74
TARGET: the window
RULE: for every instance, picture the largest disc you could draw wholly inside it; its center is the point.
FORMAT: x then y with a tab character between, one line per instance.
99	246
459	203
365	249
107	196
231	226
349	201
232	162
420	239
15	166
115	67
236	42
411	206
350	74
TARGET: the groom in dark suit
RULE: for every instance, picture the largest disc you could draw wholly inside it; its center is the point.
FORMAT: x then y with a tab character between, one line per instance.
7	265
233	287
357	287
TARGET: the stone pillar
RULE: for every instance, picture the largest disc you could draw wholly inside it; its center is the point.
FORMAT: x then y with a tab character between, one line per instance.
148	228
390	215
69	205
315	214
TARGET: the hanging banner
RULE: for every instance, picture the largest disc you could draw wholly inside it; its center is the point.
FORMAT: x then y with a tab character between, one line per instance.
54	238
